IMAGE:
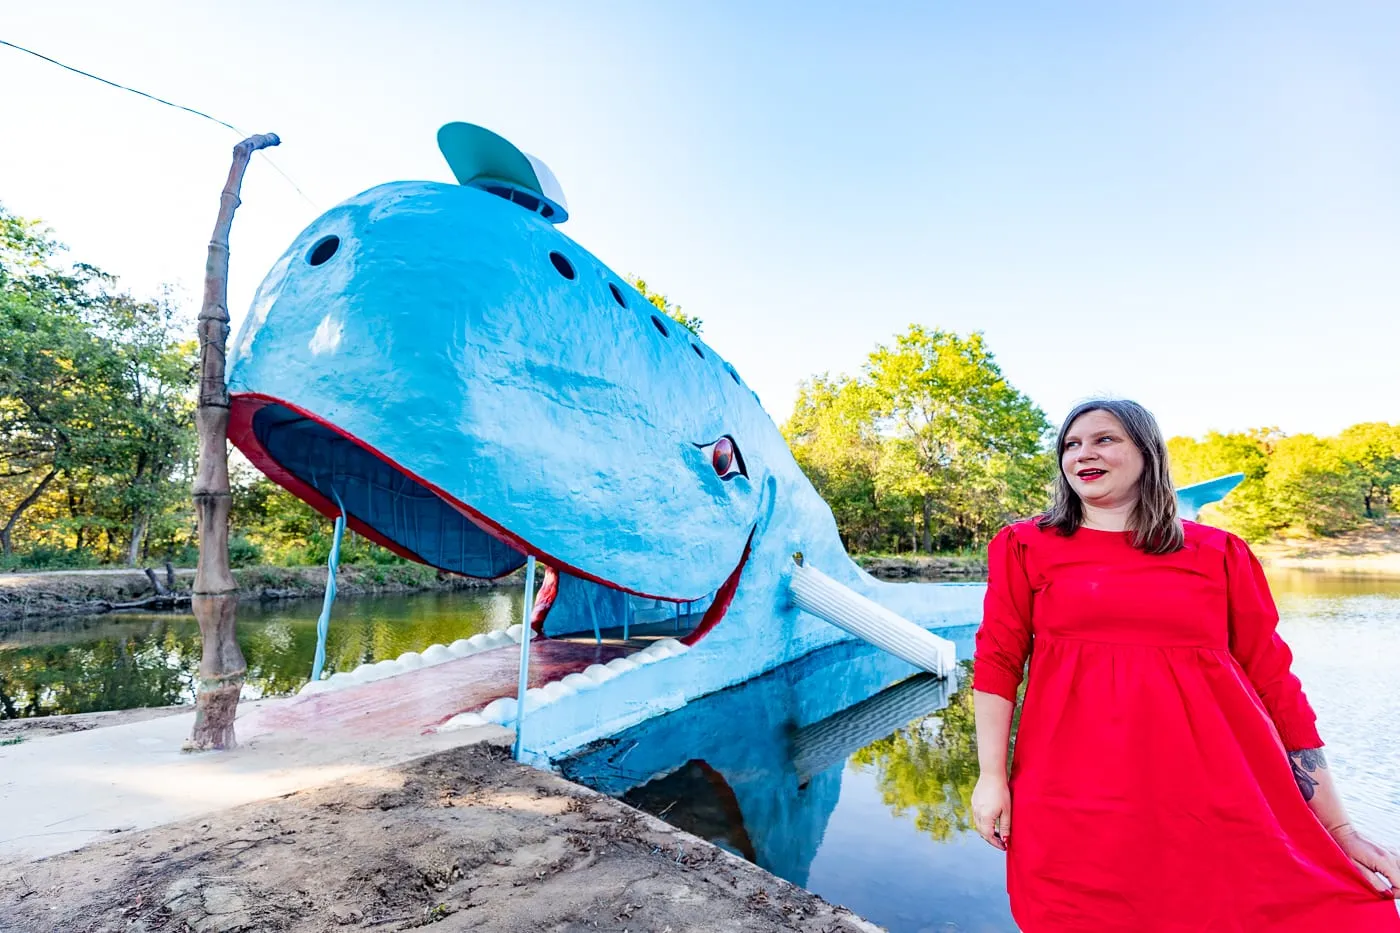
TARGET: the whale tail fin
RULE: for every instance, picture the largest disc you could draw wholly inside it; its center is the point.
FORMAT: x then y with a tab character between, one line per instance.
1191	499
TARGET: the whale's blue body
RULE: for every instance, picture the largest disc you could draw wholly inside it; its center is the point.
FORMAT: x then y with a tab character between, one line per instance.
473	386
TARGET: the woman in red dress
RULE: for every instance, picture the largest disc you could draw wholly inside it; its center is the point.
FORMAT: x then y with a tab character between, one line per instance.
1168	774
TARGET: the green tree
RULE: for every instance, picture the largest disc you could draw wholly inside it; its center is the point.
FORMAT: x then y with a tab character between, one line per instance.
930	438
1311	486
689	321
50	360
94	399
1250	510
954	423
1372	451
833	436
149	430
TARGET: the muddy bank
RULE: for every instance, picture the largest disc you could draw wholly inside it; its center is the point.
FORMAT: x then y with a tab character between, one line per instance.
461	840
1373	549
935	568
72	592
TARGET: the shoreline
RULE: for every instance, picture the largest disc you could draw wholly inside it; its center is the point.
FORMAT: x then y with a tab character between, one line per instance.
26	595
460	839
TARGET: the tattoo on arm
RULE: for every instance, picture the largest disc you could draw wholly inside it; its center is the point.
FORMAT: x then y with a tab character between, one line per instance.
1305	762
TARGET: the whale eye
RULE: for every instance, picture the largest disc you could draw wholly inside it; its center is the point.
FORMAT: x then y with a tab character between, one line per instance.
725	458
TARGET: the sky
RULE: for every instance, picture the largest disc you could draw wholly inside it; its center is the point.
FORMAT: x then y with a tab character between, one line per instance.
1192	204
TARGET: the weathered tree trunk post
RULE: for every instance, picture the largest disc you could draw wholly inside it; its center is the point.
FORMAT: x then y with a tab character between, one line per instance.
215	601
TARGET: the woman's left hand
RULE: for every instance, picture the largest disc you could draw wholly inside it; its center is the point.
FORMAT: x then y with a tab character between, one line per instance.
1373	859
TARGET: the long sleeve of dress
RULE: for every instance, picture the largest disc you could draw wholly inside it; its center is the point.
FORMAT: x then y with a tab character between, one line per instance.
1004	638
1265	657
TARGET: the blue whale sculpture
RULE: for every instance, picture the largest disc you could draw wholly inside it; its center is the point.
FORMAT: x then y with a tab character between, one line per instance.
471	387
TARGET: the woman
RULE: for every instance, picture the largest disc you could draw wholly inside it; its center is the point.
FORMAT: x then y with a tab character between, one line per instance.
1168	775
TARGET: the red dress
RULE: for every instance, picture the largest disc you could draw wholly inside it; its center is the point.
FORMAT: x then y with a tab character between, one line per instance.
1151	790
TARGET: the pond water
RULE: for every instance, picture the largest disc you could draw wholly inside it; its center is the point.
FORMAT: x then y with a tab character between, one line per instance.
842	772
84	664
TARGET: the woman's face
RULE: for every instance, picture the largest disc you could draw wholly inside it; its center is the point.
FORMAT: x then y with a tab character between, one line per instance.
1100	461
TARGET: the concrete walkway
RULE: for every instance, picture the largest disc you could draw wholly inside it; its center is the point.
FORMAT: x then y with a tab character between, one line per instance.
62	792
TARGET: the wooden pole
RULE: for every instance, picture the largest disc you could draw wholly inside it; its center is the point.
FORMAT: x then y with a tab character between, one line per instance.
215	602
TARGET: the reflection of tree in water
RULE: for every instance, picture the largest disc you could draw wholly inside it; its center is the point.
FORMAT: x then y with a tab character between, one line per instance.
133	661
929	767
155	668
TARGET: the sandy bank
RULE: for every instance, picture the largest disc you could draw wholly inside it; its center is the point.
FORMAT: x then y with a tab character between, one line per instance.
464	839
1373	549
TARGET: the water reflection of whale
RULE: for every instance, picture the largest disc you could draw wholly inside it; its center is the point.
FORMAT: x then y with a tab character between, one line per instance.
757	768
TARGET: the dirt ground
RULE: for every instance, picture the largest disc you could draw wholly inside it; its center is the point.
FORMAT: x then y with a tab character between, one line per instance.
1374	548
40	726
461	840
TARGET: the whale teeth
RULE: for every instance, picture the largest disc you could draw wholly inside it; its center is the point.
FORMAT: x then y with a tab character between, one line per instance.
504	710
412	660
598	673
437	654
621	665
464	721
579	682
500	711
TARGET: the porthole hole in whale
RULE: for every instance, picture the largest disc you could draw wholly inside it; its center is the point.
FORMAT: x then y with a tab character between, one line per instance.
324	249
562	264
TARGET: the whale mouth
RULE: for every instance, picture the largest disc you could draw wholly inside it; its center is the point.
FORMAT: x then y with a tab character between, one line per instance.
330	469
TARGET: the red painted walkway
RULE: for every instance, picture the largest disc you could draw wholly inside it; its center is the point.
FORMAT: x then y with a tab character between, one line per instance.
420	699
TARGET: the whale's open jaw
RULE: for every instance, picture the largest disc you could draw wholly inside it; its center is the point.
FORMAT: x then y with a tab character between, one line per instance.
332	470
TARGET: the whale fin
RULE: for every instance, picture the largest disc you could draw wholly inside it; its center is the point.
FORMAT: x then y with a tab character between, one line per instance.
1190	499
817	594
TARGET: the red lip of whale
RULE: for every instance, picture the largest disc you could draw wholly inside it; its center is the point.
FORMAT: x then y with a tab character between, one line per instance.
243	406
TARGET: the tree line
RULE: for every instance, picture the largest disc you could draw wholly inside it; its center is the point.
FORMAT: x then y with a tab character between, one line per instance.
95	407
928	445
927	448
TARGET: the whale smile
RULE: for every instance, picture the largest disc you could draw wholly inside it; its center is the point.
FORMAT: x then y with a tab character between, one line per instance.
385	501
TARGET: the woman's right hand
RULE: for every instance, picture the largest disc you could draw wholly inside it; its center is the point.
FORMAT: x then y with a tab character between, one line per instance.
991	810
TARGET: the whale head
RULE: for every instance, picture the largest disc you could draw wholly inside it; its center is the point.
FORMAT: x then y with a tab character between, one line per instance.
471	387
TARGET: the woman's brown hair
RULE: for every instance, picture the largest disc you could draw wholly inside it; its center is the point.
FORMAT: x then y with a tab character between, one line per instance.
1156	523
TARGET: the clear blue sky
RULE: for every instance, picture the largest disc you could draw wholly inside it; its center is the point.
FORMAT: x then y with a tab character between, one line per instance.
1193	204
